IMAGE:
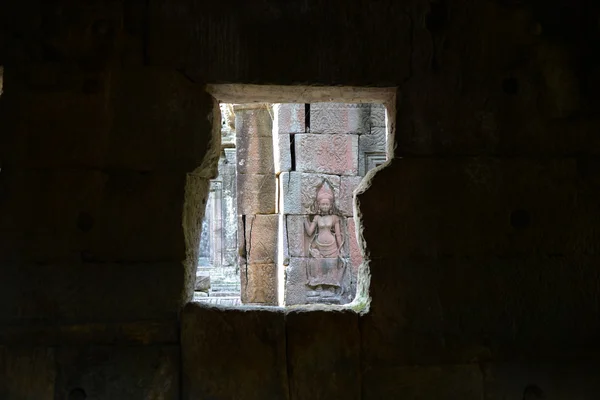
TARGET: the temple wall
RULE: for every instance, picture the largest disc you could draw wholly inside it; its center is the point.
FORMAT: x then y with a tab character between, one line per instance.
483	232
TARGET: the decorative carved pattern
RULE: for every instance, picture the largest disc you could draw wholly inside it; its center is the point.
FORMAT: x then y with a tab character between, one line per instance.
340	118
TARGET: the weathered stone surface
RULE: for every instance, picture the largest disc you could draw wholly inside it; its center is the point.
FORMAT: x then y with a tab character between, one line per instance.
339	118
437	309
118	372
377	117
259	285
329	154
355	253
143	138
81	130
298	190
202	283
295	235
256	194
283	159
323	355
225	353
31	333
27	373
448	382
290	117
71	292
482	217
369	147
91	215
253	120
346	200
254	154
527	380
296	279
261	238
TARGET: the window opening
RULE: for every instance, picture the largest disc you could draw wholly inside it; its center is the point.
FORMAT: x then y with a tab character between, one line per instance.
280	227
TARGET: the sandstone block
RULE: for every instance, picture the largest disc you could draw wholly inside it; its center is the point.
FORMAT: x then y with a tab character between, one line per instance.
283	159
295	282
202	283
329	154
371	150
259	286
256	194
261	238
356	257
346	200
565	380
254	154
118	372
92	215
160	121
377	116
424	382
339	118
298	191
295	235
321	342
73	292
253	120
227	352
290	117
75	126
27	373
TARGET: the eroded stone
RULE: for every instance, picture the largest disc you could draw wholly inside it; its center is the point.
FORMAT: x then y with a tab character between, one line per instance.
299	189
256	194
330	154
290	117
339	118
346	200
261	238
259	286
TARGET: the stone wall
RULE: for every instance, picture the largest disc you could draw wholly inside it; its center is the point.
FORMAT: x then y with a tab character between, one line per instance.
332	143
482	233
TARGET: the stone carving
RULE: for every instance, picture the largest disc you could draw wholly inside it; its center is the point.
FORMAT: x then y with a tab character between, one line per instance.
340	118
324	242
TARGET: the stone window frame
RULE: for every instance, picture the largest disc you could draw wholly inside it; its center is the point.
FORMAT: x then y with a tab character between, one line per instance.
246	94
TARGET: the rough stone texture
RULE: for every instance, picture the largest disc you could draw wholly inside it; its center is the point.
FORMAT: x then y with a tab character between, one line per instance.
27	373
254	154
118	372
259	284
371	145
377	117
446	382
290	117
328	154
555	381
354	251
340	118
295	282
202	283
256	194
254	339
282	143
298	190
70	292
346	199
319	343
295	235
261	238
462	270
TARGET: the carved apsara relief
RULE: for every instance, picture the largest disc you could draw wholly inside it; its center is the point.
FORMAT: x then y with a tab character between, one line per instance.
324	239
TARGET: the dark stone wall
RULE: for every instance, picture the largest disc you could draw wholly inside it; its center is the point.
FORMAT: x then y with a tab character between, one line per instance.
483	232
